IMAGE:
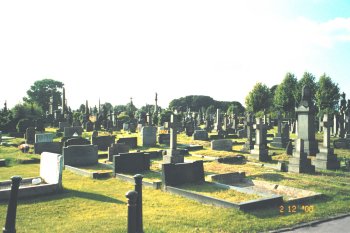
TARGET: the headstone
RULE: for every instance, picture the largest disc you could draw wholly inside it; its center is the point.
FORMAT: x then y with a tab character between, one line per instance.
116	149
131	141
62	125
218	126
132	127
260	151
164	138
200	135
125	126
76	123
89	126
221	144
174	174
289	148
326	159
44	137
173	155
94	134
51	167
103	142
131	162
76	141
300	163
75	131
283	138
39	125
149	136
249	144
84	155
30	135
52	147
306	127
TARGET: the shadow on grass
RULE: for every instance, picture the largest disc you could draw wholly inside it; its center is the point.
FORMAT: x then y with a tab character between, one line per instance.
69	193
271	177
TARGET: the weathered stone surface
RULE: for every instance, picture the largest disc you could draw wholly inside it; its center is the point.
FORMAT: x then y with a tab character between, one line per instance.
200	135
103	142
300	163
131	162
75	131
51	166
132	141
76	141
116	149
221	144
52	147
83	155
30	135
149	135
62	125
164	139
228	178
181	173
44	137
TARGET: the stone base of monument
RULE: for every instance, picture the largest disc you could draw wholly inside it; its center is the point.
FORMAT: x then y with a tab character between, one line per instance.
279	142
342	143
248	146
326	160
260	153
298	165
311	147
173	156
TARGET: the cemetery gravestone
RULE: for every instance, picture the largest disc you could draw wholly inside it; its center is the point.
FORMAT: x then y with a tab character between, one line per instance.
52	147
200	135
76	141
83	155
30	135
132	141
149	135
300	163
164	138
222	144
103	142
116	149
75	131
182	173
89	126
51	166
131	162
260	151
44	137
62	125
173	155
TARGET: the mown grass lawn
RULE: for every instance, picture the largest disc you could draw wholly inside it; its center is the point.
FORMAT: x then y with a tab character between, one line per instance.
88	205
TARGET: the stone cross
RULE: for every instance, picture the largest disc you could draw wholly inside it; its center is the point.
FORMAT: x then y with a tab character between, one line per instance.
260	135
326	129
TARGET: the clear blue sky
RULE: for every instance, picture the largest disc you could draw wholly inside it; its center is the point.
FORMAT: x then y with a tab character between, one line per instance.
117	49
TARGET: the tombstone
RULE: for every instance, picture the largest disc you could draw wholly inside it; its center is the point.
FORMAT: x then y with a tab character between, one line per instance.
249	144
76	141
116	149
131	141
283	138
51	167
75	131
30	135
103	142
76	123
109	124
173	155
218	121
149	136
131	162
189	129
289	148
260	151
39	125
200	135
84	155
326	159
62	125
89	126
182	173
94	134
164	138
132	127
52	147
306	127
44	137
149	119
335	124
300	163
221	144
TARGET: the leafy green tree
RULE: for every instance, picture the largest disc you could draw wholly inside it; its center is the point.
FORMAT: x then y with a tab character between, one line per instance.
258	99
82	108
26	110
327	95
210	110
285	94
308	79
41	91
119	108
165	117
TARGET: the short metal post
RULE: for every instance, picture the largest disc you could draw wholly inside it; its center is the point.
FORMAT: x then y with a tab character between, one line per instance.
138	188
10	225
132	198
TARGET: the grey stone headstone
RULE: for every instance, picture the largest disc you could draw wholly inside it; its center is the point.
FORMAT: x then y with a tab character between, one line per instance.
75	131
149	135
30	135
131	162
52	147
83	155
116	149
62	125
103	142
44	137
221	144
89	126
164	138
200	135
76	141
131	141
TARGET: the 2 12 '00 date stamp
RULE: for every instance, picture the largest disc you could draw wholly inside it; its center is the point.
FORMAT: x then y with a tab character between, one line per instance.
296	209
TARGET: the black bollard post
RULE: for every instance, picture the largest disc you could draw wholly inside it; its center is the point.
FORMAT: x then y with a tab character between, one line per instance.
10	225
132	198
138	188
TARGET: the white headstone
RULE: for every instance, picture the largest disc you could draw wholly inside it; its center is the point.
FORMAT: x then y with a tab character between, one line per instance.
51	166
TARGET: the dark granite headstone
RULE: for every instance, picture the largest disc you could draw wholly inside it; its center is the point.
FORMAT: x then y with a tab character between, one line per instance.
164	138
103	142
182	173
131	162
30	135
132	141
75	131
200	135
76	142
52	147
83	155
116	149
149	135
